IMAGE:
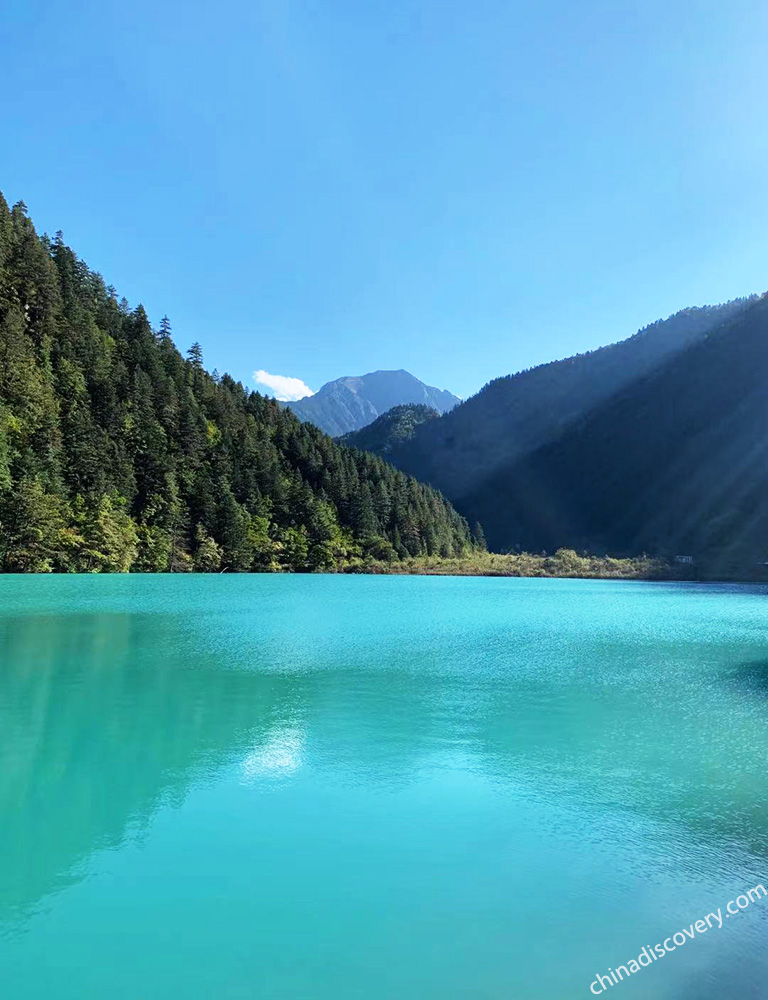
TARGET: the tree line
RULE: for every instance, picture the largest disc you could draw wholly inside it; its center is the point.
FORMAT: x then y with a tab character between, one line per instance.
119	454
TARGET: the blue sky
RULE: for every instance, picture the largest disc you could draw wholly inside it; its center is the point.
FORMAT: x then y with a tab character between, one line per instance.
319	189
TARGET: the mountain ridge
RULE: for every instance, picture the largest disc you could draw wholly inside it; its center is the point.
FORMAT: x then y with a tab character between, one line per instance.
651	444
676	464
514	414
353	401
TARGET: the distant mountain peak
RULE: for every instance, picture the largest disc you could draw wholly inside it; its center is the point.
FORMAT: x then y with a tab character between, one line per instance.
354	401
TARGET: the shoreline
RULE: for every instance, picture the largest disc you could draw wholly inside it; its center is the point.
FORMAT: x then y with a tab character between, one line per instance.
564	564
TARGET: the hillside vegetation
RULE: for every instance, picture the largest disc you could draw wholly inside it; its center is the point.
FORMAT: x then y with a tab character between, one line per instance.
391	429
516	414
656	444
675	464
116	453
565	563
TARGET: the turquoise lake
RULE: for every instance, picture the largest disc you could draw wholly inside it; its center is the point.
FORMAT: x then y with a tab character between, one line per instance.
319	787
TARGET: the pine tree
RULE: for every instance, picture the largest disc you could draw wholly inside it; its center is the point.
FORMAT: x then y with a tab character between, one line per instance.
164	333
195	355
110	537
118	453
234	530
478	537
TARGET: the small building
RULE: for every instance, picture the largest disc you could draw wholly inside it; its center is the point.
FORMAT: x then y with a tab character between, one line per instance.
685	560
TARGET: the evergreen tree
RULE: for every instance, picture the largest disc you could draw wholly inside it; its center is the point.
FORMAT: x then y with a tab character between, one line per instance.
164	332
36	536
116	453
195	355
207	558
478	537
110	538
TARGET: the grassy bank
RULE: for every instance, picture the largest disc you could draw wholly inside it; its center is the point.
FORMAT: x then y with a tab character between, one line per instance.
564	563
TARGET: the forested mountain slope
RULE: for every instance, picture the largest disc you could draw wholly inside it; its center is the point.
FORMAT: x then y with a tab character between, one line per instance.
391	429
513	415
349	403
116	453
676	463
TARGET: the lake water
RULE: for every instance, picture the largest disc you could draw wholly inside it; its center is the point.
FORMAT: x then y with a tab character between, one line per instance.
379	787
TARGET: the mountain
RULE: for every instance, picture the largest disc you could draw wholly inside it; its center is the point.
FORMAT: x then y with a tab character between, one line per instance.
352	402
116	453
513	415
391	429
675	463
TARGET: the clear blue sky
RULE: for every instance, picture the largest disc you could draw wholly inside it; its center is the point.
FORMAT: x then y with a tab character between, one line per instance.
462	189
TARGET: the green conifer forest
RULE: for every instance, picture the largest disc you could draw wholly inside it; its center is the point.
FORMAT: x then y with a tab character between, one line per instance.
118	454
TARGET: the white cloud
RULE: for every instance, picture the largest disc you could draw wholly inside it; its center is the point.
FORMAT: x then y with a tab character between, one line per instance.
284	387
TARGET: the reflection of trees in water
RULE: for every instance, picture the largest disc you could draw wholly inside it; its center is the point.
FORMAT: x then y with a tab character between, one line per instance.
105	717
102	718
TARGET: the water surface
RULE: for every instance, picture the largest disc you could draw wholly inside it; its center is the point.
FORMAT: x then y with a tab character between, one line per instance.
380	787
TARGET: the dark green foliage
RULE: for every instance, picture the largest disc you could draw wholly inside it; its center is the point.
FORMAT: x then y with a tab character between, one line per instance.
515	414
478	536
390	429
675	465
116	453
653	444
195	353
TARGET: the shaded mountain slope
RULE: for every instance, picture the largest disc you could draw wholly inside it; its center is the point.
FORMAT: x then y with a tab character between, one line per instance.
676	463
513	415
